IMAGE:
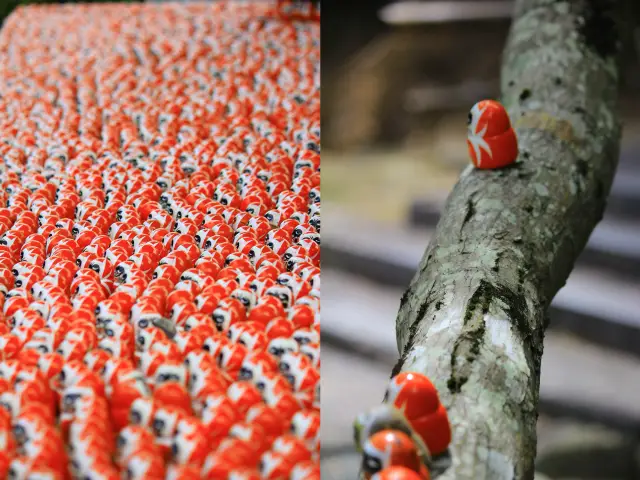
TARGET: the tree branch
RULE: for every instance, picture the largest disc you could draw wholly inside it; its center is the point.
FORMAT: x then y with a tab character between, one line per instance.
474	316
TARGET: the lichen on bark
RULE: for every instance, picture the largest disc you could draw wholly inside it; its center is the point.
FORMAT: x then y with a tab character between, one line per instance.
474	315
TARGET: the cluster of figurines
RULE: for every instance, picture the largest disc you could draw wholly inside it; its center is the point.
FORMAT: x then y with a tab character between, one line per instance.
299	9
159	243
408	436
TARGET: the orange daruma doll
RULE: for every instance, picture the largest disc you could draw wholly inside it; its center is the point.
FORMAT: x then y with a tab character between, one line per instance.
388	448
491	139
417	398
397	472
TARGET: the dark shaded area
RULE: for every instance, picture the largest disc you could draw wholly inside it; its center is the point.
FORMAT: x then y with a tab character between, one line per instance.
599	28
347	25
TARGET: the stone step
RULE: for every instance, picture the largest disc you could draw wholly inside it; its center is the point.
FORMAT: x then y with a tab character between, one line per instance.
594	304
358	322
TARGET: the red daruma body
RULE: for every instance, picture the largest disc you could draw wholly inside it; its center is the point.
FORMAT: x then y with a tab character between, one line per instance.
491	140
415	396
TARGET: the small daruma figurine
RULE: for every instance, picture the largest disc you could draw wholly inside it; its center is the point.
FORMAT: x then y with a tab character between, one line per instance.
417	398
491	139
397	473
388	448
387	417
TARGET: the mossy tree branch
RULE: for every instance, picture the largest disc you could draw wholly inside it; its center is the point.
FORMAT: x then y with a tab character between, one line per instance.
474	316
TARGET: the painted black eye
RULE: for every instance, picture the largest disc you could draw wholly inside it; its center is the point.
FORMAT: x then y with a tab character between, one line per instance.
20	433
135	417
469	118
370	464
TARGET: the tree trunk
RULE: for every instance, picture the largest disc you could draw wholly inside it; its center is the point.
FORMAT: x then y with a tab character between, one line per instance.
474	316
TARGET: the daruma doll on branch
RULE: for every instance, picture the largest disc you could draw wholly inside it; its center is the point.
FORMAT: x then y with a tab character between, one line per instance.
491	139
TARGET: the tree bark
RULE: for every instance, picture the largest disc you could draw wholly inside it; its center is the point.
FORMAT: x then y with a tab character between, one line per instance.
474	316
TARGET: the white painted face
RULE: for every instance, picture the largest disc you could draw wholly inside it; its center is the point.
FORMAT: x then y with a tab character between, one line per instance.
138	467
293	368
10	402
174	373
173	473
81	461
241	431
110	345
246	297
128	441
476	135
304	336
235	392
73	398
184	443
300	472
375	459
67	346
141	412
302	425
41	307
309	300
43	476
268	463
26	431
164	423
279	346
211	404
19	467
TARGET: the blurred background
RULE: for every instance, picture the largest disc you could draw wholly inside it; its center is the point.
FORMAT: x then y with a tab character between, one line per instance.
398	81
7	6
